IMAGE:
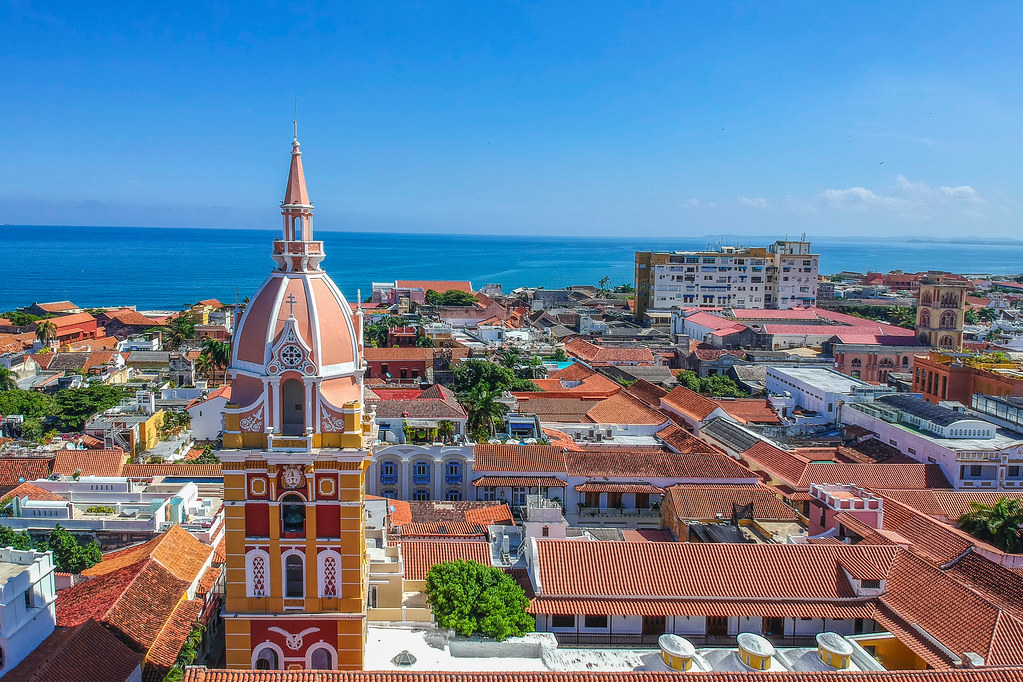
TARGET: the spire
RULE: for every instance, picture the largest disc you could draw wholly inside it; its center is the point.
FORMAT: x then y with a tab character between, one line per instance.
296	192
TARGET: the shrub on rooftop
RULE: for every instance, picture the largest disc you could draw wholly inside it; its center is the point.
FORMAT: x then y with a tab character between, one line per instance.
471	598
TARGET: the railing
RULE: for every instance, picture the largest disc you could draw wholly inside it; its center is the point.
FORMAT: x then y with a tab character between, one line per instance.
453	479
612	511
641	641
421	479
388	479
298	248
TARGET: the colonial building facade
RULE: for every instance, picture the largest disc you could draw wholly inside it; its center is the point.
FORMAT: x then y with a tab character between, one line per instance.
296	446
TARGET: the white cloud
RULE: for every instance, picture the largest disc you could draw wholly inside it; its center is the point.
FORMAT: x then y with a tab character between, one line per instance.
759	202
696	203
914	200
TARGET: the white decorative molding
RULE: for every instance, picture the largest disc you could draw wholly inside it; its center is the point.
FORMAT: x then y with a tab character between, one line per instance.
293	641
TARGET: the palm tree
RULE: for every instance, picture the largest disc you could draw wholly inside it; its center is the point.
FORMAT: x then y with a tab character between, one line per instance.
445	429
376	335
46	332
1000	523
7	380
219	353
483	410
509	357
533	368
204	365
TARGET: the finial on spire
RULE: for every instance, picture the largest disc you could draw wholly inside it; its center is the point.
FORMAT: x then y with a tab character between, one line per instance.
294	142
358	306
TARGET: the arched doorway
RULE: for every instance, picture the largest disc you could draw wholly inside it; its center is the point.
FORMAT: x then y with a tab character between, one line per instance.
293	407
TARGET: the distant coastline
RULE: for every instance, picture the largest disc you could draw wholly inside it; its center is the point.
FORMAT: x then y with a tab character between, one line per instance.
165	268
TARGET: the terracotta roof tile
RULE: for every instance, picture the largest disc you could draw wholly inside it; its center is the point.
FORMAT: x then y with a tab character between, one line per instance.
689	403
175	549
443	529
168	643
35	493
411	354
600	355
212	470
749	410
680	440
89	462
519	482
16	470
207	581
707	502
700	570
220	553
84	653
624	409
433	511
440	286
574	372
601	487
646	535
539	459
420	555
198	674
626	463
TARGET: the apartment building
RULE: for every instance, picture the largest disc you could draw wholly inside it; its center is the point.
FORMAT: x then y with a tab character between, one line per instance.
783	276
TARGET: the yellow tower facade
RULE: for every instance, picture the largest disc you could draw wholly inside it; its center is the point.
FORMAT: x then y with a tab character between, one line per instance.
941	312
296	446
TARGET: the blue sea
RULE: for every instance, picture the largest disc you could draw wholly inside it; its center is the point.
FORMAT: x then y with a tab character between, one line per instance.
167	268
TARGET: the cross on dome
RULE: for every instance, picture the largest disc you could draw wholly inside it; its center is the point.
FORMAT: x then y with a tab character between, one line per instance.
291	300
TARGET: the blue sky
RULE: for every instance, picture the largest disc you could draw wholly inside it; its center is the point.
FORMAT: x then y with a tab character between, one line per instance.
586	118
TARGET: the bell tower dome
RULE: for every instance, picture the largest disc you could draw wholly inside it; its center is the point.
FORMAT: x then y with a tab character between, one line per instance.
297	442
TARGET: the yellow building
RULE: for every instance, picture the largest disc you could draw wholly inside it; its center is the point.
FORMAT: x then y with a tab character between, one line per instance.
296	447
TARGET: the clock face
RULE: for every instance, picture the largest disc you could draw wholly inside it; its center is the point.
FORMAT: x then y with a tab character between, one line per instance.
292	477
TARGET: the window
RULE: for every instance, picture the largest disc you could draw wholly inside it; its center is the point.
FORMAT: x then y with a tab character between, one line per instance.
321	659
870	584
292	516
595	621
562	621
545	531
1013	472
453	495
294	581
28	598
266	659
256	572
420	494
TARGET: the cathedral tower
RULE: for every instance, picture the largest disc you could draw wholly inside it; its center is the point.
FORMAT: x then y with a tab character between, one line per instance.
941	312
296	446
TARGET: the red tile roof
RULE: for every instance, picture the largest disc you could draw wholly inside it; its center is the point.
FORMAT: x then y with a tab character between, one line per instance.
540	459
198	674
208	580
131	318
443	529
168	643
601	487
707	502
574	372
393	354
16	470
687	570
680	440
440	286
749	410
89	462
718	325
175	549
211	470
646	535
419	555
58	306
948	505
519	482
220	553
600	355
35	493
622	408
689	403
84	653
627	463
71	320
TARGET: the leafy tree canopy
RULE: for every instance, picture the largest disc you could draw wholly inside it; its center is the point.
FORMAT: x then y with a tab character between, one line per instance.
20	319
471	598
1001	524
451	297
69	556
76	405
717	385
32	404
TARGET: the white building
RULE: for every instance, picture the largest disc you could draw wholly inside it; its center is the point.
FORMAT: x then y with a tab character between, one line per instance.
784	275
27	596
811	395
421	472
972	452
206	415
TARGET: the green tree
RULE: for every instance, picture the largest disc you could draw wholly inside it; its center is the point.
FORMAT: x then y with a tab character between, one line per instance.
508	357
20	319
483	410
425	342
46	332
445	429
988	314
208	456
971	316
10	538
1000	524
451	297
471	598
8	381
717	385
559	355
76	405
69	555
532	368
32	404
477	372
689	379
375	335
219	353
603	284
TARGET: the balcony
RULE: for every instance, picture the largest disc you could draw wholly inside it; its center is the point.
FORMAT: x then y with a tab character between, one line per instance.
612	511
453	479
421	479
388	479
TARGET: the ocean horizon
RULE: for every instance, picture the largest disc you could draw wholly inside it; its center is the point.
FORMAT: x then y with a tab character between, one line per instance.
166	268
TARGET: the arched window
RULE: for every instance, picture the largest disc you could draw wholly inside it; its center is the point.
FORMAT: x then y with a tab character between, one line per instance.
948	320
855	374
905	361
294	577
257	573
454	494
388	472
924	337
887	363
420	494
292	516
389	493
267	659
321	658
947	342
421	471
293	407
950	298
925	298
925	318
329	574
856	362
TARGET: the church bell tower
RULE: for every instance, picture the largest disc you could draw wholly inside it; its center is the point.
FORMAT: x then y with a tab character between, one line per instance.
296	446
